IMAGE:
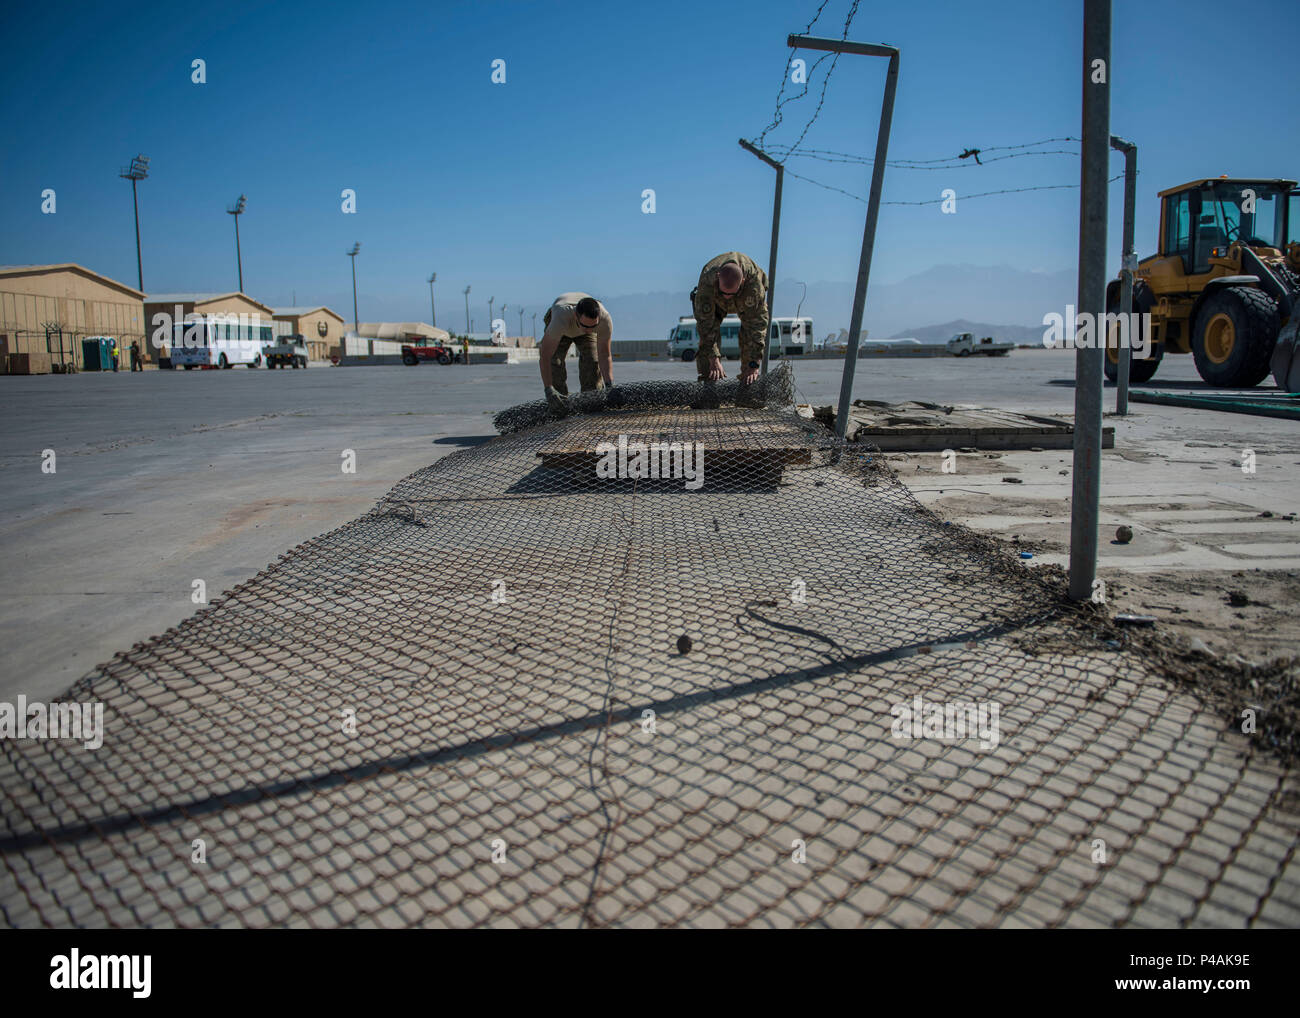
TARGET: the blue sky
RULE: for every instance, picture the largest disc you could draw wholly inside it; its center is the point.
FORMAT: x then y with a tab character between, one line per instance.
529	188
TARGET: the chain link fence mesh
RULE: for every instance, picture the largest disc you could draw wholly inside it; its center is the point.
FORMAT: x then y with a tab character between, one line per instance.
520	692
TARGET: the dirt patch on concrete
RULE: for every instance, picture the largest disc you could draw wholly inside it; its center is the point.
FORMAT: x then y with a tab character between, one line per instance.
1247	616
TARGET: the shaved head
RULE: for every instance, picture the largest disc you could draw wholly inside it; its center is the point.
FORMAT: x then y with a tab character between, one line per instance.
730	277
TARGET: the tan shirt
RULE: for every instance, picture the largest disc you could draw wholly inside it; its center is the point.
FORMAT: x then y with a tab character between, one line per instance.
564	320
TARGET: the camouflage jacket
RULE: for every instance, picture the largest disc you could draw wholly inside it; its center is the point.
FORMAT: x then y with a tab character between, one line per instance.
750	303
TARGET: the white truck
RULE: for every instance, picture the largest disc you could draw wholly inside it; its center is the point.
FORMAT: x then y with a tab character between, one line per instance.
964	344
286	352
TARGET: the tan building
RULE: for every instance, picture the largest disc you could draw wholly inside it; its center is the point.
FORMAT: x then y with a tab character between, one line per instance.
46	311
319	326
175	306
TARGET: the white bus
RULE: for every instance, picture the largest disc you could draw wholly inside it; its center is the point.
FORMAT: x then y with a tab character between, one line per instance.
220	341
788	337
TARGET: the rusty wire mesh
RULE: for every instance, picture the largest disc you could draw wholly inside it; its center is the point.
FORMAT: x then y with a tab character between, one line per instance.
498	629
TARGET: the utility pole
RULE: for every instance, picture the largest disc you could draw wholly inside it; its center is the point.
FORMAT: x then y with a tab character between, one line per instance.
356	325
467	321
521	322
433	315
237	210
138	170
491	301
534	327
873	202
1091	300
776	230
503	320
1128	266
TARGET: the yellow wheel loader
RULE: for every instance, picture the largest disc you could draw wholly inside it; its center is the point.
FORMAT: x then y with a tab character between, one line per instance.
1225	285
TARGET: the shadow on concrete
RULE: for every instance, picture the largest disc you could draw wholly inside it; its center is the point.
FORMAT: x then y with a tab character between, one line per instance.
465	440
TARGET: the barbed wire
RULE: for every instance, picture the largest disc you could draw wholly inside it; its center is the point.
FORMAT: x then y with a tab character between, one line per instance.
783	151
918	165
938	201
777	117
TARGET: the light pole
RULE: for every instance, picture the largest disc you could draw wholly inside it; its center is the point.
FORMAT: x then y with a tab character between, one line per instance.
491	301
138	170
521	322
534	327
467	321
237	210
433	315
356	325
503	321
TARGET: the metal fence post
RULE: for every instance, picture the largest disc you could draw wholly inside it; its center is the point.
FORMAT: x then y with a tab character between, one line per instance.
1128	267
1086	488
873	203
776	231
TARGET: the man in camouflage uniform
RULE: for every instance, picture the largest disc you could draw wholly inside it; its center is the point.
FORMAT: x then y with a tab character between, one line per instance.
576	319
730	284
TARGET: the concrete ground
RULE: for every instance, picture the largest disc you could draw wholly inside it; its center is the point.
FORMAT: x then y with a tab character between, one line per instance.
163	479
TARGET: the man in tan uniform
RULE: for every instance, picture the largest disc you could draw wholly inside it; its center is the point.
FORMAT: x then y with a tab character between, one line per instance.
730	284
576	319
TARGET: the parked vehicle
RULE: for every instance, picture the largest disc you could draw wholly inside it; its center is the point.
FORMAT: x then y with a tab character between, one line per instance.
286	352
218	341
413	355
964	344
788	336
1223	285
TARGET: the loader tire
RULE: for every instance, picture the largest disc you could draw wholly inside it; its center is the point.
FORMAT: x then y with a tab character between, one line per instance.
1234	335
1138	370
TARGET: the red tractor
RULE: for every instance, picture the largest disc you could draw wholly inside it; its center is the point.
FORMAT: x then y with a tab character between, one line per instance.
413	355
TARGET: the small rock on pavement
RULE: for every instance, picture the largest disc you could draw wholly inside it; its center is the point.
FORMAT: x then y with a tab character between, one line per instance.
1238	598
1199	646
1123	534
683	644
1012	480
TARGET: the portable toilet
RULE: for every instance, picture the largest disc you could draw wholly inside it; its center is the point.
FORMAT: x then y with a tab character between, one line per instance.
96	353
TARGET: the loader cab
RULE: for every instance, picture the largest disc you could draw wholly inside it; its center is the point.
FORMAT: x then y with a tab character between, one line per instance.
1200	220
